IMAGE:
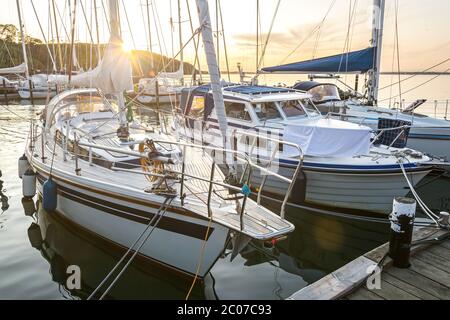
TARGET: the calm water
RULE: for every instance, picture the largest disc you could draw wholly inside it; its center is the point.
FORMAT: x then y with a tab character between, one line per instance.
34	268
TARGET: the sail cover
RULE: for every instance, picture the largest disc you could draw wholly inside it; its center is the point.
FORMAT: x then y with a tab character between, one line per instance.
113	74
14	70
351	62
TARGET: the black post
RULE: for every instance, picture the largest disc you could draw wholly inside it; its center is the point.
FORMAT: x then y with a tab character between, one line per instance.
5	91
402	225
30	85
157	102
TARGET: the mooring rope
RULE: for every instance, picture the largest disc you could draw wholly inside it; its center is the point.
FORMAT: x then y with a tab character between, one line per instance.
160	213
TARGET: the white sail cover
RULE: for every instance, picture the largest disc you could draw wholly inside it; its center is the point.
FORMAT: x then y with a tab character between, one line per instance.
114	72
328	138
14	70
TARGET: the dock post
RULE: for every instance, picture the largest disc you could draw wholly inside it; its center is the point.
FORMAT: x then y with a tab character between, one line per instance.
446	110
402	225
157	102
5	91
30	87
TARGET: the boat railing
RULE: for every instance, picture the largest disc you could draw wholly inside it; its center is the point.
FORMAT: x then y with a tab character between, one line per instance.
185	122
40	137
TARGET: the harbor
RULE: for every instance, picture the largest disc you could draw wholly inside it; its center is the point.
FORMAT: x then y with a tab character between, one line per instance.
131	171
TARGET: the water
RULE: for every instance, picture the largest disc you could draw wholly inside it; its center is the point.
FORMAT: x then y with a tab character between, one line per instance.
35	268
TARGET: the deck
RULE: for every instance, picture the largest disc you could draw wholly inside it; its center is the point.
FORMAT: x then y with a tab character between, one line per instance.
428	278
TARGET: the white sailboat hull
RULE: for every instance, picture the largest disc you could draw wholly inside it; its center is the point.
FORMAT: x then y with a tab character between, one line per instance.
358	191
175	243
37	93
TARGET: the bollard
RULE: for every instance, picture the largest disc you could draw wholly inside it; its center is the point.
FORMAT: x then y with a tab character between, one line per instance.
444	220
402	225
5	91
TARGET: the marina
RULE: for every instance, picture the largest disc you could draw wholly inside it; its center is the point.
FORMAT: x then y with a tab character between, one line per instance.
137	163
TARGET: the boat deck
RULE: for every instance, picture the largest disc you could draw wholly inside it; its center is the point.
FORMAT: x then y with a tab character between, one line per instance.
258	222
428	277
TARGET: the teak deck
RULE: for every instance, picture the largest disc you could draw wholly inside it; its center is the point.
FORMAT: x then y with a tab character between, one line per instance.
428	278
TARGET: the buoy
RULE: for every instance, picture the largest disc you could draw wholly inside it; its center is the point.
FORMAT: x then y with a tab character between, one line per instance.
35	236
29	207
29	183
49	195
22	165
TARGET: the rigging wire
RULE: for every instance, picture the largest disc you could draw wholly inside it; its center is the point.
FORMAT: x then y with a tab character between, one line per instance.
314	30
268	35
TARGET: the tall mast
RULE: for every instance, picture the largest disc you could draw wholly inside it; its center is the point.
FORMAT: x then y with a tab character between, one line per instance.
22	35
257	35
57	36
181	42
213	68
152	63
377	43
97	31
72	39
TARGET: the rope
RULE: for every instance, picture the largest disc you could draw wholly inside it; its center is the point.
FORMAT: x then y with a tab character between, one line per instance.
422	205
200	259
157	166
164	205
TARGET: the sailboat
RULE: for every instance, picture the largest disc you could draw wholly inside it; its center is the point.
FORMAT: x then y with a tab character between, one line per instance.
343	165
427	134
164	87
8	88
135	186
34	86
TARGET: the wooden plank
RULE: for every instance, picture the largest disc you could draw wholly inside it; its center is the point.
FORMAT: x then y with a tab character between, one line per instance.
363	294
338	283
446	244
391	292
437	261
431	272
440	251
417	280
415	291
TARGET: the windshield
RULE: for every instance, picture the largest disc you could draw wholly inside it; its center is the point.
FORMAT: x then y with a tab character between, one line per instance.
292	108
267	111
324	93
310	107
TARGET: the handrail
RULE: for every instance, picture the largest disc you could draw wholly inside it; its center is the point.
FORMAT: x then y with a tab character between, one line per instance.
291	182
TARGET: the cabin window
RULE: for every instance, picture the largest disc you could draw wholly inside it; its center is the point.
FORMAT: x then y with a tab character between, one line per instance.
292	108
325	93
237	110
267	111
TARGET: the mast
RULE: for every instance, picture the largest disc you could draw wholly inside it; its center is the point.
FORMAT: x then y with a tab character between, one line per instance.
257	36
72	39
377	43
152	63
57	36
97	31
181	42
116	35
213	68
22	35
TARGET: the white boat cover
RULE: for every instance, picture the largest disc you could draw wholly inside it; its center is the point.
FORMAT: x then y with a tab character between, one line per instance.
113	74
328	138
14	70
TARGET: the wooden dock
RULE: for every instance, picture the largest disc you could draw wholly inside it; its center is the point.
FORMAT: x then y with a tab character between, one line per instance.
428	278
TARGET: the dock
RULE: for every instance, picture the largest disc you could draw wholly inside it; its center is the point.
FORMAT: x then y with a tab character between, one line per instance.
428	277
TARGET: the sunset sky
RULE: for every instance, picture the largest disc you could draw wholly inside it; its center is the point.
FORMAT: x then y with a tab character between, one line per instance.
423	28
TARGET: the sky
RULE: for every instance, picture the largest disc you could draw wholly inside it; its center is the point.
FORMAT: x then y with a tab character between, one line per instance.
423	28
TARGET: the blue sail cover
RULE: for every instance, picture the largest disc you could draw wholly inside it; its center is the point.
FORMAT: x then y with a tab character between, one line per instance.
351	62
